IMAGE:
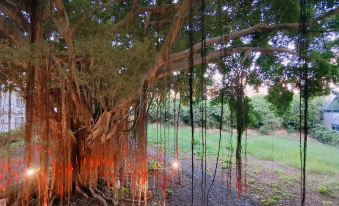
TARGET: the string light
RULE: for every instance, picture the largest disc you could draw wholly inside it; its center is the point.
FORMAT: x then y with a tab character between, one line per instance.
30	172
175	164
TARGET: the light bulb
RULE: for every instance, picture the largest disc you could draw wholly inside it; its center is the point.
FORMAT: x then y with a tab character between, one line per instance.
30	172
175	164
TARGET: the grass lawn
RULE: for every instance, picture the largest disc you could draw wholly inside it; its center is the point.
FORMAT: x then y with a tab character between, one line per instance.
321	158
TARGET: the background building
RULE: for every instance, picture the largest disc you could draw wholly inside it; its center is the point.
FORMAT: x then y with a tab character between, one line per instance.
12	111
330	112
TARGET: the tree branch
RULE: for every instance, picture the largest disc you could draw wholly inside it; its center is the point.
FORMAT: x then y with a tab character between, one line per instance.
62	24
160	9
167	46
8	29
128	19
260	27
325	15
14	15
183	64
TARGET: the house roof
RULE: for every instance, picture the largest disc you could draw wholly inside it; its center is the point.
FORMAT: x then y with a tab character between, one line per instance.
332	103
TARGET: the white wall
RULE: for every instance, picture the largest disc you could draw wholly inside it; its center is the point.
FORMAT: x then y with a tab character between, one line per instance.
330	118
12	111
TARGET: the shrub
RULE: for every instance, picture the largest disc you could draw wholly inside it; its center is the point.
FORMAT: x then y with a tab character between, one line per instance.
321	133
291	117
325	190
262	116
165	113
213	112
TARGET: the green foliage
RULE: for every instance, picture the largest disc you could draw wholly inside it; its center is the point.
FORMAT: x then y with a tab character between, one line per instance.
321	133
322	71
285	11
292	116
122	79
325	190
262	116
321	158
280	97
169	193
154	165
213	112
270	201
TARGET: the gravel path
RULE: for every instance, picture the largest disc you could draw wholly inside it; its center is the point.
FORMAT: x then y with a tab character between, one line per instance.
182	193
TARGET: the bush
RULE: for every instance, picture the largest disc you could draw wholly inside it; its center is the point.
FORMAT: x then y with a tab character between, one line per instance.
322	134
165	113
291	118
262	116
325	190
213	112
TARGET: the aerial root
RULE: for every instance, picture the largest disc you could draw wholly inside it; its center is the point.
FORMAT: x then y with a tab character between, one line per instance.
98	197
17	200
52	199
82	193
103	195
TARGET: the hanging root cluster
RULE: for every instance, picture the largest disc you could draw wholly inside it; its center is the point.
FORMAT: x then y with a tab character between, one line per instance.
112	154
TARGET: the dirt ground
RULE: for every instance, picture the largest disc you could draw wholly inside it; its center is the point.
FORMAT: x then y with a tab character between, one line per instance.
269	183
179	194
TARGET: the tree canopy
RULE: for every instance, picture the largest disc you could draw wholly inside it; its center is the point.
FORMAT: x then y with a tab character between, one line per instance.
85	67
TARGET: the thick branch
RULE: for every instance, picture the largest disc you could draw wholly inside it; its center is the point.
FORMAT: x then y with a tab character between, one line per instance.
159	9
128	19
331	12
8	29
62	23
14	15
184	64
260	27
167	46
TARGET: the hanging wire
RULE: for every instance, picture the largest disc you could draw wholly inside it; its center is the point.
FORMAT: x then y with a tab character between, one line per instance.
203	101
245	157
230	156
202	148
167	101
220	135
174	123
221	63
205	149
177	138
190	82
303	48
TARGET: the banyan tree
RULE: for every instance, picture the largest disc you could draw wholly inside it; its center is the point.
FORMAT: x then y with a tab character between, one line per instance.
88	69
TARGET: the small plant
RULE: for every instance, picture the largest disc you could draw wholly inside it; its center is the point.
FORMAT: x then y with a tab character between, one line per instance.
124	191
325	190
169	192
154	165
199	154
288	179
196	142
274	200
327	203
224	166
153	203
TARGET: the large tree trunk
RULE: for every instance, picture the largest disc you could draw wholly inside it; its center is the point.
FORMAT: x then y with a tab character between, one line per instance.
36	18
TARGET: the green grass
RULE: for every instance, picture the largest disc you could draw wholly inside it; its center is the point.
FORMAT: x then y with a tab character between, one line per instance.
321	158
167	136
325	190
